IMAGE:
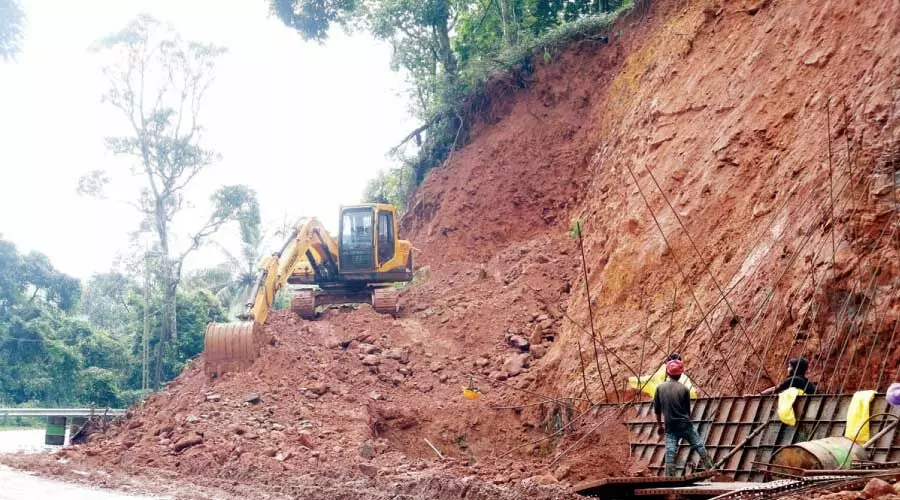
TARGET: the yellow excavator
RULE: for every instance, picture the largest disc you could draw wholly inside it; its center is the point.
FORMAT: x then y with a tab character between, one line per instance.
358	267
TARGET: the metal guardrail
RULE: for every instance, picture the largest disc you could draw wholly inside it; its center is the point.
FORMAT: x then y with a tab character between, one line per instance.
62	412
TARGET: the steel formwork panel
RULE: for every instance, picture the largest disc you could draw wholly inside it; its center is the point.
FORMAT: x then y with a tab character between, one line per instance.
724	423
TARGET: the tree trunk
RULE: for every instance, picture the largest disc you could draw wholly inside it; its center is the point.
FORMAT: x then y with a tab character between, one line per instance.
442	30
507	18
145	341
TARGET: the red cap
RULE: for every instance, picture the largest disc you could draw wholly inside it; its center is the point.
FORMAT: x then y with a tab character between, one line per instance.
674	368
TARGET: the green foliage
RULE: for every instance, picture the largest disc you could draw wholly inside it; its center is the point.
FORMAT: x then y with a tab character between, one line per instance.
12	24
390	186
313	18
575	229
52	353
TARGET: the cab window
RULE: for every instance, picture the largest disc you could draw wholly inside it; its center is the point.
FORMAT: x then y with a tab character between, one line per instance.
357	229
385	237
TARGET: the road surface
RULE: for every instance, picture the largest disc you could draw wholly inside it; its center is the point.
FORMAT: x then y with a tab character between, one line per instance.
17	485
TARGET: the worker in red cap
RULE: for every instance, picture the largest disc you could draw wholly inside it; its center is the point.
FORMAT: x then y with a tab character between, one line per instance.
672	405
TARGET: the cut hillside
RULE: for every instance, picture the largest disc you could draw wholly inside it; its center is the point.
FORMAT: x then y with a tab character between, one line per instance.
694	146
720	112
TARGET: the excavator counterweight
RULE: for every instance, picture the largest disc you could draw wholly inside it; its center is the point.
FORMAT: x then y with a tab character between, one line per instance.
357	267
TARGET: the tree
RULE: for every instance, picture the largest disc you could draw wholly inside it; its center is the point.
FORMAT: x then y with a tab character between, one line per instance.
12	24
313	18
158	81
105	302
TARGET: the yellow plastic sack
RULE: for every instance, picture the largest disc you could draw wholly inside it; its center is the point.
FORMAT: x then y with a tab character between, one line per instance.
786	405
858	416
648	383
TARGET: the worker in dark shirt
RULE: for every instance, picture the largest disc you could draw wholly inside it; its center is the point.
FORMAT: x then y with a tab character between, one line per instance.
672	405
796	378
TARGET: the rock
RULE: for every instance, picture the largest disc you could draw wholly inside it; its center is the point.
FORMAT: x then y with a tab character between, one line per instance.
187	442
337	450
436	366
877	487
318	388
897	488
398	354
498	375
404	371
541	317
561	472
375	396
369	348
277	427
515	363
305	439
518	342
270	452
368	470
537	335
760	210
397	379
482	362
538	351
367	450
281	457
252	398
543	479
191	419
213	397
425	387
371	360
443	378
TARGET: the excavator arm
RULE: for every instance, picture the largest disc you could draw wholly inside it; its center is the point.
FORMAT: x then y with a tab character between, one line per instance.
308	250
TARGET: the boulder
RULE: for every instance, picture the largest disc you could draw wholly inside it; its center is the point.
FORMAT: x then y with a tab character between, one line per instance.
318	388
537	335
518	342
368	348
368	470
515	363
877	487
367	450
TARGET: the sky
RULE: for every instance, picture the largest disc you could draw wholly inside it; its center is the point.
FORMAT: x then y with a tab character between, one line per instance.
303	124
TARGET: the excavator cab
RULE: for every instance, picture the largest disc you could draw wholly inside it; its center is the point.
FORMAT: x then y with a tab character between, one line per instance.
368	245
359	266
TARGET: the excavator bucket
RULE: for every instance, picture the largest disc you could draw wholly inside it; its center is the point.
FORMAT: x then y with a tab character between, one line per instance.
230	346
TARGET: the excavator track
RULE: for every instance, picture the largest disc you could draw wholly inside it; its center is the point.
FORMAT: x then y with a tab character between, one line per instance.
384	301
230	346
303	303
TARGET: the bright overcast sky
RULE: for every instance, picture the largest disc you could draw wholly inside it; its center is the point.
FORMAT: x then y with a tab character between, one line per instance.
304	125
